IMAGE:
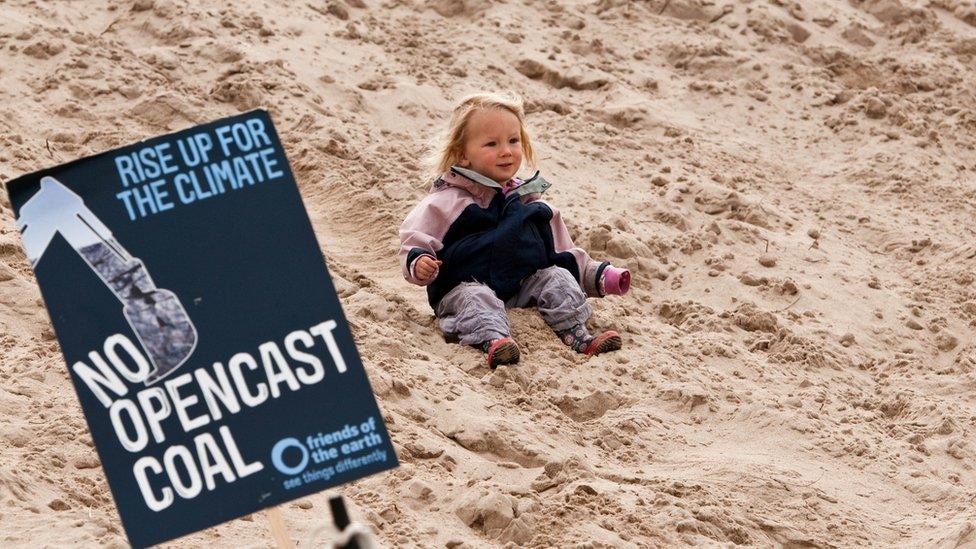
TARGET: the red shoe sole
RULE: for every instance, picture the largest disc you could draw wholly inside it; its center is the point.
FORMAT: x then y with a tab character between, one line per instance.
503	351
604	343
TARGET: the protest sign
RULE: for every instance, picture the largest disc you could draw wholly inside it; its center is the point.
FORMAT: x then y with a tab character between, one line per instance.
200	327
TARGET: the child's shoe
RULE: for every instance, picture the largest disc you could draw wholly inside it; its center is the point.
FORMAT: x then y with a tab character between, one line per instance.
580	340
604	343
500	351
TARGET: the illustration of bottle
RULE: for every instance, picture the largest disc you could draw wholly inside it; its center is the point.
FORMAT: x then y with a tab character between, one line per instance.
156	315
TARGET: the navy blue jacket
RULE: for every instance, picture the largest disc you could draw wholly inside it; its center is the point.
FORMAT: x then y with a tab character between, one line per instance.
483	235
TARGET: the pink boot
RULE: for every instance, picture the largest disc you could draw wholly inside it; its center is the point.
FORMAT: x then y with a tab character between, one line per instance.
615	281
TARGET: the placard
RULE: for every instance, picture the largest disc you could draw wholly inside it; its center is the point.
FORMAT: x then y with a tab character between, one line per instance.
200	327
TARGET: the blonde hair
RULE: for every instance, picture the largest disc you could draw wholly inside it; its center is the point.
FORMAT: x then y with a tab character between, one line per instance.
451	145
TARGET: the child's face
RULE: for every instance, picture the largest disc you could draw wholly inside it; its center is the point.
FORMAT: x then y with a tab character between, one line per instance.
493	146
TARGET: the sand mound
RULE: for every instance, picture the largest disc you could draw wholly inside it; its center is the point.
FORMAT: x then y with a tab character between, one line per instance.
790	183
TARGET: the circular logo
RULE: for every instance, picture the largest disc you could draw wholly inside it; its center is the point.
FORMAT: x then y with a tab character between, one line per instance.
277	453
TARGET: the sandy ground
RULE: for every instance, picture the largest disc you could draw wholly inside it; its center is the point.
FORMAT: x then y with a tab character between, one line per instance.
792	184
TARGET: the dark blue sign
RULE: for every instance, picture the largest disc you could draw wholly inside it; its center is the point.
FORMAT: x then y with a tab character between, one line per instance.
200	327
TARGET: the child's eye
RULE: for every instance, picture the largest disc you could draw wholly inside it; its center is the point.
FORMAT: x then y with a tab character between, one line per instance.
490	144
513	140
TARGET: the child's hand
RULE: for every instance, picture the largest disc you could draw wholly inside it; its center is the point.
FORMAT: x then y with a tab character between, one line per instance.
426	268
615	281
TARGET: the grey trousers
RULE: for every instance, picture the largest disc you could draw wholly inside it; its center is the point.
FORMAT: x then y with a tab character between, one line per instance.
474	314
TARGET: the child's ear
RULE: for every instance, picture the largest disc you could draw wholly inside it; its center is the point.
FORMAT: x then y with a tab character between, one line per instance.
464	162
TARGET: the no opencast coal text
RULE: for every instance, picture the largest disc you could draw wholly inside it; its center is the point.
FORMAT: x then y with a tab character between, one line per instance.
199	398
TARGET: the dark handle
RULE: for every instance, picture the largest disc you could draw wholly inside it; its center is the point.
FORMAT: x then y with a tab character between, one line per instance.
341	518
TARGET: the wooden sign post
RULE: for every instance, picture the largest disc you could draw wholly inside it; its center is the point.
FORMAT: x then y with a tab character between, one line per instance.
278	529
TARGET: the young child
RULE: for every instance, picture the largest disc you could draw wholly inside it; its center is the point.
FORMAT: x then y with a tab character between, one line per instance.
483	240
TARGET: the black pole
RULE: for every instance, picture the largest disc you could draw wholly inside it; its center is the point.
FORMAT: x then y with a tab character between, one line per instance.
341	519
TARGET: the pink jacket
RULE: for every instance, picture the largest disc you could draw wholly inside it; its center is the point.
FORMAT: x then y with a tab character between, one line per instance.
463	203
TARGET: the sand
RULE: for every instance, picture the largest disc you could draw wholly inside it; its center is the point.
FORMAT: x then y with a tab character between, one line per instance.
791	184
